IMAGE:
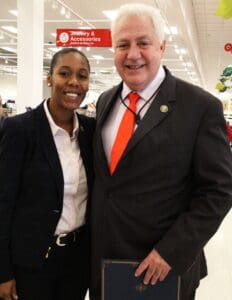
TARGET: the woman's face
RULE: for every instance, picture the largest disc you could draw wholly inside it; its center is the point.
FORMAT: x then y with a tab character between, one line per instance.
69	81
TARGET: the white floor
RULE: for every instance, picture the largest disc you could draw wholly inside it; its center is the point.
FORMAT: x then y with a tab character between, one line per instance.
218	284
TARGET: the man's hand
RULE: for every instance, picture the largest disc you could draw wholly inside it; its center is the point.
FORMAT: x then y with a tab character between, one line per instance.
8	290
156	268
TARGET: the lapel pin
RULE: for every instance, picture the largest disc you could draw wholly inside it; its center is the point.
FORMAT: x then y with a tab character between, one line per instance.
82	128
164	108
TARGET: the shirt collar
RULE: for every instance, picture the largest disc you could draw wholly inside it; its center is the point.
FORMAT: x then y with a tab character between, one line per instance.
147	92
56	129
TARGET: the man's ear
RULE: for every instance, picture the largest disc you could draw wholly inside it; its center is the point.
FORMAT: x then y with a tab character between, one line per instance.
163	45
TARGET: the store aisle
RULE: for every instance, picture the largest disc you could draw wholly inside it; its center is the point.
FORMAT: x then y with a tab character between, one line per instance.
217	285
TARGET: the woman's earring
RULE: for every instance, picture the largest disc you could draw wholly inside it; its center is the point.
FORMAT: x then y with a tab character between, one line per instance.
49	84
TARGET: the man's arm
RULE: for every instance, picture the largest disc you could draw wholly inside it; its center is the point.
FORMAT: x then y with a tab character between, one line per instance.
212	196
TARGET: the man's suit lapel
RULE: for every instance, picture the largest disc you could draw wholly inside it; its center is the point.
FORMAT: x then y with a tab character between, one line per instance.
48	147
160	109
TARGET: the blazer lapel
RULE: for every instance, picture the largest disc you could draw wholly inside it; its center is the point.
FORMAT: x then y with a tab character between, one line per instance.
49	148
84	139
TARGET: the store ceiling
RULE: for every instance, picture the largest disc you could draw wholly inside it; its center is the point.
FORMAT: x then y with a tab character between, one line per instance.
195	54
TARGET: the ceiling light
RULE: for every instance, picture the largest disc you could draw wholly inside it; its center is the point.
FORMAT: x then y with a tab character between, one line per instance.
9	49
14	12
62	11
54	5
110	14
54	49
166	30
183	51
174	30
83	27
68	15
189	64
11	29
48	55
97	56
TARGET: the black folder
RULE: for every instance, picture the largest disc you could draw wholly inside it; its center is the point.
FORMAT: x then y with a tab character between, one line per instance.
119	283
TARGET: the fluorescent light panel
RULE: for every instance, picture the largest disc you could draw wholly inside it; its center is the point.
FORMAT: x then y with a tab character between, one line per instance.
13	12
110	14
174	30
54	49
11	29
97	56
9	49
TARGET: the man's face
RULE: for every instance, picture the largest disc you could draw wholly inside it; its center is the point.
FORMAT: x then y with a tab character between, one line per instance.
138	51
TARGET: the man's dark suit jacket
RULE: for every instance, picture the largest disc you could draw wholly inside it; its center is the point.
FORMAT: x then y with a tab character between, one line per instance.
172	187
31	189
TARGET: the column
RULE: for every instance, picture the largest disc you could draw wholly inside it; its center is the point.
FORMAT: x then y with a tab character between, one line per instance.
30	53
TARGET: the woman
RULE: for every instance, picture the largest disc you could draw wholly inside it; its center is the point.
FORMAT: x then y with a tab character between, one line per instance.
46	176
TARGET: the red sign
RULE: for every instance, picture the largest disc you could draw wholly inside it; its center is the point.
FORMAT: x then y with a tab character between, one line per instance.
228	47
83	38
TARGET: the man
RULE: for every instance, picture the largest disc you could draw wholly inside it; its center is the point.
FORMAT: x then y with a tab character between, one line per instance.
172	186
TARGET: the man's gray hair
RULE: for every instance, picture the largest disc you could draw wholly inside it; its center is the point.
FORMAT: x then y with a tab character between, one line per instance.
140	9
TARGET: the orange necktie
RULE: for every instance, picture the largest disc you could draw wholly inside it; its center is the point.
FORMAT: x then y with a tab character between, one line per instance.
125	131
